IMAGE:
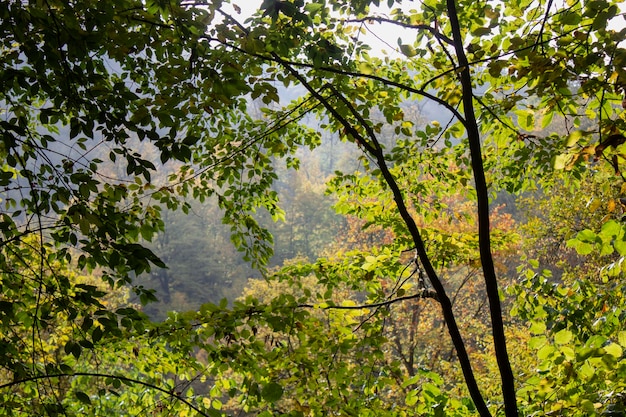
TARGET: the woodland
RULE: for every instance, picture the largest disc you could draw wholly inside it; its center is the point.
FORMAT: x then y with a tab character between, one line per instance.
312	208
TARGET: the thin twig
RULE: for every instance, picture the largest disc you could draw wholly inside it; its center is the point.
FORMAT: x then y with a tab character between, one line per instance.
425	293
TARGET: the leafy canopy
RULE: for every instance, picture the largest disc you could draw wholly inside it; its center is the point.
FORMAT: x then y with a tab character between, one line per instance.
114	111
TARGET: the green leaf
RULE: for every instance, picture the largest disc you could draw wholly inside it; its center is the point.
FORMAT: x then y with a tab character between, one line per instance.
546	119
537	342
570	18
561	161
545	352
411	398
82	397
582	248
587	406
140	116
96	334
407	50
610	229
526	119
620	245
614	349
537	327
563	337
366	68
586	370
481	31
313	8
370	264
74	348
622	338
5	177
216	413
573	138
568	352
272	392
587	235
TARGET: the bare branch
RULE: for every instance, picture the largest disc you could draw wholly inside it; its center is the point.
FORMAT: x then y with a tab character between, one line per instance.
427	28
543	26
425	293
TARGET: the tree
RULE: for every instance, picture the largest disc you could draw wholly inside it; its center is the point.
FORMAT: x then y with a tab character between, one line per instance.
181	77
572	307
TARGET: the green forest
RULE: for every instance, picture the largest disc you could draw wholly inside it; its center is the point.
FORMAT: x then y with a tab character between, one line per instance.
312	208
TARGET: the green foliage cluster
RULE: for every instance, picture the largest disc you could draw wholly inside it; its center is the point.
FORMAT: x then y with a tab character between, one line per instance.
578	336
114	115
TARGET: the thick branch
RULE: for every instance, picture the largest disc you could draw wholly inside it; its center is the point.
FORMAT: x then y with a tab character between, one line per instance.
484	238
375	151
444	301
543	26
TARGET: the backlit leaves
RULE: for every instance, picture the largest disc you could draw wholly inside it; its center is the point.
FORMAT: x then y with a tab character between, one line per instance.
115	110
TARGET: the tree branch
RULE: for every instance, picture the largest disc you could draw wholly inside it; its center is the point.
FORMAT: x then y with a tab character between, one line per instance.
101	375
389	179
421	294
427	28
543	26
442	296
484	238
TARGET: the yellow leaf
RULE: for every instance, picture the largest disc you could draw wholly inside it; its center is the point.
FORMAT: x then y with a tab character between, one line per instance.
573	138
614	350
561	161
594	204
611	206
366	68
